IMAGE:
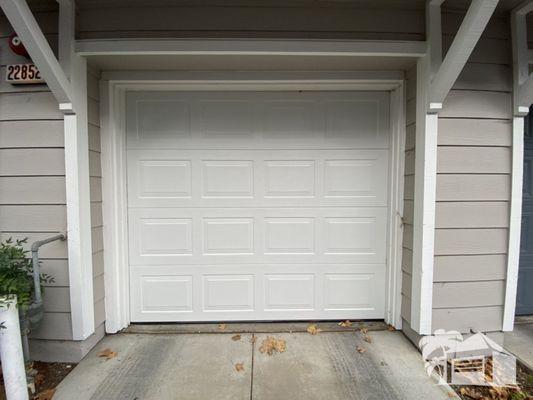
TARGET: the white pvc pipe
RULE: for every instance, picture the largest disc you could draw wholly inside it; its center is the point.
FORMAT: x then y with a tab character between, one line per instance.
11	352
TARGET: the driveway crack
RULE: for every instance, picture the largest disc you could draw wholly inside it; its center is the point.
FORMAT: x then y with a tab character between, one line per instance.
252	368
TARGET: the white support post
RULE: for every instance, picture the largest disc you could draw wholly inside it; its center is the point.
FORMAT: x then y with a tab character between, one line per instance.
19	15
435	78
424	205
515	223
77	182
522	100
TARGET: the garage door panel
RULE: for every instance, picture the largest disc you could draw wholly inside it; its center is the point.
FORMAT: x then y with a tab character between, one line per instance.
257	205
162	236
251	120
256	291
170	178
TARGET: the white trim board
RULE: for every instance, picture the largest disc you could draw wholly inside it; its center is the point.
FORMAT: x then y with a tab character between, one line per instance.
291	47
424	206
515	221
114	183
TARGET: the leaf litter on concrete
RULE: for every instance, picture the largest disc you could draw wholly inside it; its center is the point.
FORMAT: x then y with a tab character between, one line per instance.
108	354
272	345
313	329
345	324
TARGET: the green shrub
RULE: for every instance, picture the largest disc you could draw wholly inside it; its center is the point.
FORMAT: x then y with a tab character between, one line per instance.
16	273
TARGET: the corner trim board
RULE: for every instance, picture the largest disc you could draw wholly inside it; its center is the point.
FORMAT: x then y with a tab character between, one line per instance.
515	220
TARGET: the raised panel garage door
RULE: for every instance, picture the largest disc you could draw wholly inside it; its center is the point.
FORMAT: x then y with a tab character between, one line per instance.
257	205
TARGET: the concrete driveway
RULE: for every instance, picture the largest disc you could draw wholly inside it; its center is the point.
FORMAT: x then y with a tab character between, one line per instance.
202	367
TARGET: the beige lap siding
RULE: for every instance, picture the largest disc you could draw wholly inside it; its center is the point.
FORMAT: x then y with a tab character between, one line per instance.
473	189
32	176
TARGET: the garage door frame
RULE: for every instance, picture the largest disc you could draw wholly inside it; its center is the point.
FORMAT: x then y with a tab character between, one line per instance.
114	192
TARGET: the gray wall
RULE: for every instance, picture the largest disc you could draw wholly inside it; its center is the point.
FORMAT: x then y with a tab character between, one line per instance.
473	156
32	177
32	191
473	190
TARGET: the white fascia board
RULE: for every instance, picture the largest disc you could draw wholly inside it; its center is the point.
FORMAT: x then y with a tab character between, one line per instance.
251	47
515	221
467	36
19	15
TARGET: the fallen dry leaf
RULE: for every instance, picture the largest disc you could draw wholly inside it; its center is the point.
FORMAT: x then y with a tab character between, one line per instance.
239	367
45	395
391	328
236	338
360	349
471	393
221	326
345	324
313	329
108	354
367	339
39	379
272	345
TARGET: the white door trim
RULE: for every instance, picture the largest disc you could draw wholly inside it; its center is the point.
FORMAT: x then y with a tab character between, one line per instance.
114	172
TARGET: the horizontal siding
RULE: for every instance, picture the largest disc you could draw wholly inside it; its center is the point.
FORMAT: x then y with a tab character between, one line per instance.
453	268
29	106
54	326
326	19
56	268
32	190
472	215
473	160
33	218
468	319
468	294
474	132
487	50
55	250
489	77
473	188
31	134
470	241
477	104
32	176
32	161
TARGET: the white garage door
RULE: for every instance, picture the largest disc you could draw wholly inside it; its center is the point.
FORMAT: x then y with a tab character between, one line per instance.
257	205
